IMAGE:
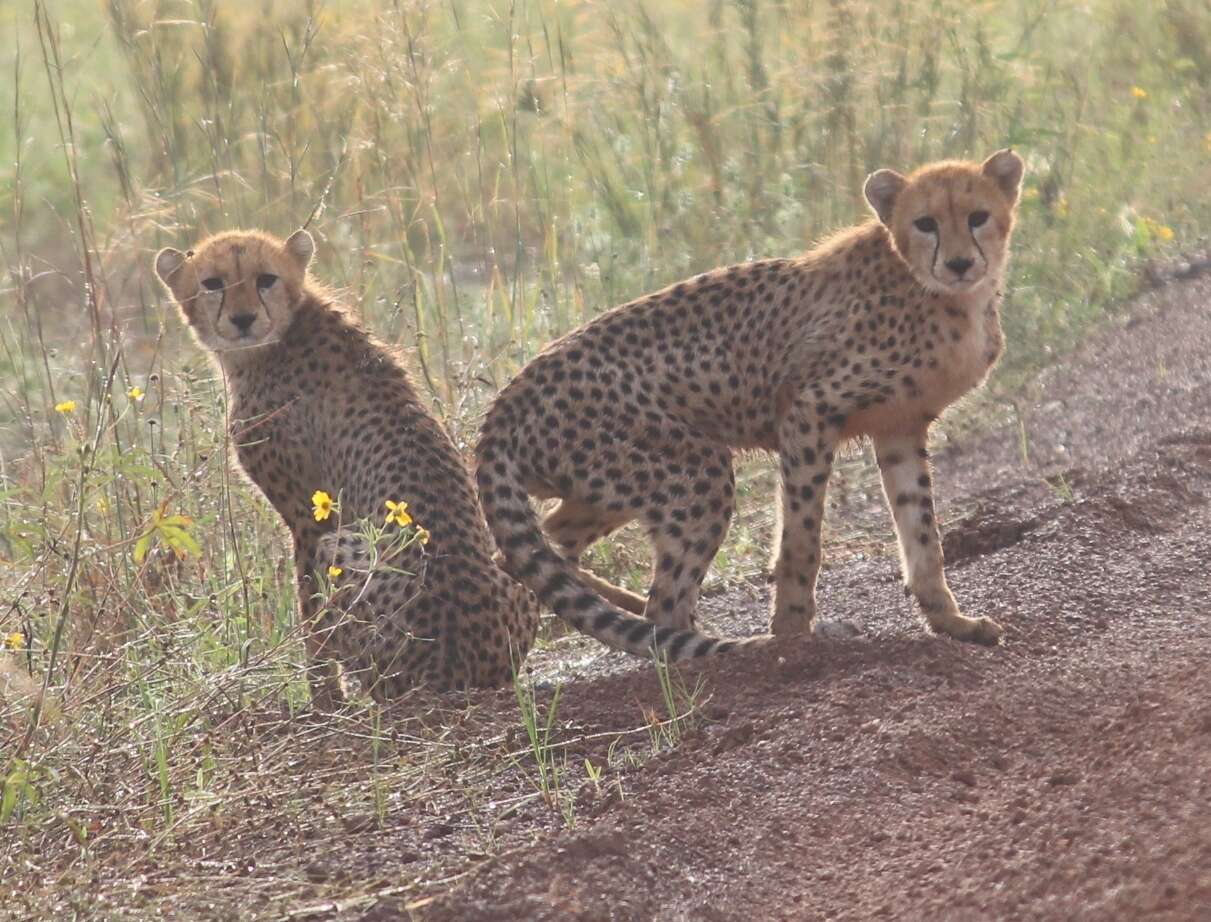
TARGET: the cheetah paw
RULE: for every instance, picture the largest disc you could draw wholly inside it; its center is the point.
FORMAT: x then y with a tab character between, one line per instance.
973	630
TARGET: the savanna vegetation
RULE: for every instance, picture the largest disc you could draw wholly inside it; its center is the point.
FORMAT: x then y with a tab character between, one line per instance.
481	175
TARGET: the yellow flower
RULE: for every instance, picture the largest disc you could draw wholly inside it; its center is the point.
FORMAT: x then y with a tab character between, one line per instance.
67	406
14	641
321	505
1139	92
135	393
1207	142
398	513
422	534
1159	231
334	571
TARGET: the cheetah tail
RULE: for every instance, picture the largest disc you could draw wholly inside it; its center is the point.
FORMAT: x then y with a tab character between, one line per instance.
558	583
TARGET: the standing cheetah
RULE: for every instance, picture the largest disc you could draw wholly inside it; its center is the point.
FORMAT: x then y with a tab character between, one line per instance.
328	425
636	414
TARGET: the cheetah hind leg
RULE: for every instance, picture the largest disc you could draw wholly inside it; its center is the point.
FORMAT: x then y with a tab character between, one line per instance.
615	595
323	671
573	527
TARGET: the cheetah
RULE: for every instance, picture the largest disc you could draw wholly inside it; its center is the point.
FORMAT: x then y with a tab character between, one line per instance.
636	414
328	425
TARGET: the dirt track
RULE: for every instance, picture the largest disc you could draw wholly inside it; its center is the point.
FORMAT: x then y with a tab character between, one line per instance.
1063	775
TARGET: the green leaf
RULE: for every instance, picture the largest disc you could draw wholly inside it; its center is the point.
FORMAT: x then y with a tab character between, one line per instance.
16	786
181	541
142	545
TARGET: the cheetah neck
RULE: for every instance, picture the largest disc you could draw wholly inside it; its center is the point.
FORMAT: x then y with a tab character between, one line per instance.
978	305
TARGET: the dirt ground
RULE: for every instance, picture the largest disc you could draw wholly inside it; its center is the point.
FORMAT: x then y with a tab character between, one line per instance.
1063	775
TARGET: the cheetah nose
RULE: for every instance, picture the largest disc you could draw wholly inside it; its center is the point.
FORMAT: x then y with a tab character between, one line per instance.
959	266
243	322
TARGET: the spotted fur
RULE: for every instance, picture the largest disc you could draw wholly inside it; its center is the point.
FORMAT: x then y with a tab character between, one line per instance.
317	404
636	415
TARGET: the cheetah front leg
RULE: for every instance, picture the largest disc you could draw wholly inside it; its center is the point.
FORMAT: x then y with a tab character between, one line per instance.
333	593
323	672
904	464
806	443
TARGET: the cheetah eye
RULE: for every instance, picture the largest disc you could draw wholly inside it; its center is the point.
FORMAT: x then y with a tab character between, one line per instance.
976	218
212	284
926	225
265	280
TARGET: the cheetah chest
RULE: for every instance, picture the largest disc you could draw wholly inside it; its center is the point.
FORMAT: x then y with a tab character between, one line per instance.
967	344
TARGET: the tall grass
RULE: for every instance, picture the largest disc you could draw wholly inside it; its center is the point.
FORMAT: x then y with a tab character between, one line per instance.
482	176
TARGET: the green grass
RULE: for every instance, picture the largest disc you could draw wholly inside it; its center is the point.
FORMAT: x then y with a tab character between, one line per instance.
550	767
481	177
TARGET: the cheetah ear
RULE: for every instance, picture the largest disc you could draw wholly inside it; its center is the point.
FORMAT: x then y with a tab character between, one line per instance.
301	247
1005	168
168	261
881	189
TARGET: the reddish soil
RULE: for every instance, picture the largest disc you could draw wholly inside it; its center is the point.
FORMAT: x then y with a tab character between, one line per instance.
1063	775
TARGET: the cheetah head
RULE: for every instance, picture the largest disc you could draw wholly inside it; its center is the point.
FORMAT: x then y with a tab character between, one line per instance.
238	290
950	221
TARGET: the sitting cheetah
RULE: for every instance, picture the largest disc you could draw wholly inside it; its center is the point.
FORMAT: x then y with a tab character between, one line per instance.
636	414
328	425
